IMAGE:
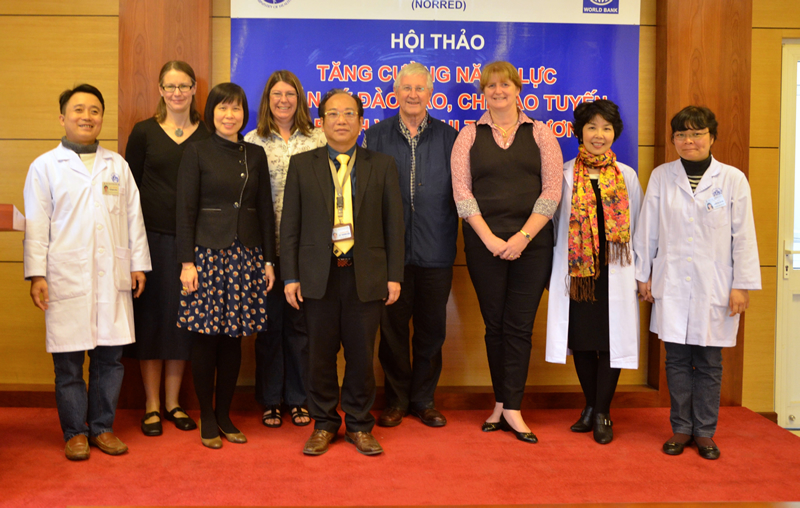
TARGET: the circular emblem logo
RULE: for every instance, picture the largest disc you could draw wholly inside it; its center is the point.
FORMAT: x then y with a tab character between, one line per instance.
274	3
601	2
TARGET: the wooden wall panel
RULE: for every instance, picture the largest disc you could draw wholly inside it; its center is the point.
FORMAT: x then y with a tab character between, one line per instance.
60	7
776	14
758	384
764	176
152	32
22	342
647	85
765	125
39	61
221	54
221	8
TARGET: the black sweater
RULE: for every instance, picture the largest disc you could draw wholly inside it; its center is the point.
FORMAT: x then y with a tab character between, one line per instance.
154	159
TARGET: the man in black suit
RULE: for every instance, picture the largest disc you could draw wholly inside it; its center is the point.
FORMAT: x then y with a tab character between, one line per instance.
342	243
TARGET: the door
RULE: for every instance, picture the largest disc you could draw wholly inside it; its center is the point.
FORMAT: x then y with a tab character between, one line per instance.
787	346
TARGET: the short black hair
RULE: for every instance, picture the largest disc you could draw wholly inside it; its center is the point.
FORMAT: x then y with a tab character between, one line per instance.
695	118
66	95
228	93
337	91
586	111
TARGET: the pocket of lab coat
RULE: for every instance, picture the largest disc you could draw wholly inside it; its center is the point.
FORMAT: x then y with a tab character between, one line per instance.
720	286
68	274
123	262
716	218
114	203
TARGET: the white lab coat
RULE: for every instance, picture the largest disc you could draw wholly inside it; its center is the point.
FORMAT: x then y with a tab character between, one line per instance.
86	244
696	256
623	304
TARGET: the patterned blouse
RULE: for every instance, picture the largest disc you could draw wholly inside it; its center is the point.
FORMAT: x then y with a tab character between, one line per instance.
278	154
552	166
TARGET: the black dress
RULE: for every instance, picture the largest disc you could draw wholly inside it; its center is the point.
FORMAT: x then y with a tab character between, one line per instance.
154	159
588	321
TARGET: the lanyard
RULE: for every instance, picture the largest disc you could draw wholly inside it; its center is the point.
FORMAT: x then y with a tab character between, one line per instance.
338	185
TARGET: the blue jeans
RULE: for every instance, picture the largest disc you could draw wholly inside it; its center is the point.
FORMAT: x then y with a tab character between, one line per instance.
694	377
92	413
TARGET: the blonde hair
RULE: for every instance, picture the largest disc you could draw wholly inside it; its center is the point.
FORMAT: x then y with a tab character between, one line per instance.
504	70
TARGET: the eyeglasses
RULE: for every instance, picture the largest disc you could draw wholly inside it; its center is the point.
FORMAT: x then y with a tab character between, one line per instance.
171	88
280	95
408	88
334	115
693	135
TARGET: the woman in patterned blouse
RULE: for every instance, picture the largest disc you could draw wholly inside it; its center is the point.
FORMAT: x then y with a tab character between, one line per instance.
284	129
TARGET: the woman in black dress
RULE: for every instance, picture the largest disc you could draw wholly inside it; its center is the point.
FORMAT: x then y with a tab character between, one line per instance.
226	244
154	152
593	310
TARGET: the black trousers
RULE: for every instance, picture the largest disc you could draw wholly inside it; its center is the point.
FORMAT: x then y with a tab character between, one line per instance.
281	352
423	298
340	319
509	293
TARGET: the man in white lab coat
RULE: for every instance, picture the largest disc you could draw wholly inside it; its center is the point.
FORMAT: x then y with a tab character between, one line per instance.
85	253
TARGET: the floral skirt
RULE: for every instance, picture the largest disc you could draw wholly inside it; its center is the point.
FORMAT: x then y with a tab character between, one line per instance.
231	298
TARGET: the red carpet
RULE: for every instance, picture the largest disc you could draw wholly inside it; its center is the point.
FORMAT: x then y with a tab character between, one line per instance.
455	465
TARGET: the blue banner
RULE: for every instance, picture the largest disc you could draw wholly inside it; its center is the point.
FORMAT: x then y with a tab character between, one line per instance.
560	64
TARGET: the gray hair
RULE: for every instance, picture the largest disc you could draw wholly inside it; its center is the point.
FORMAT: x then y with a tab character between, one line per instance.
413	68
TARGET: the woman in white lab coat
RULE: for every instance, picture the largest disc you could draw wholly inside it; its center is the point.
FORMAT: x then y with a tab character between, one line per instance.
593	311
696	260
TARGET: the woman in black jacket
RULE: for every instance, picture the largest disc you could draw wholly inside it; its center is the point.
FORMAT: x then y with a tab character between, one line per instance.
226	245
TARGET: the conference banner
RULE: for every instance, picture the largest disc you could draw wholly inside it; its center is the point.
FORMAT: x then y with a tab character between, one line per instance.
567	52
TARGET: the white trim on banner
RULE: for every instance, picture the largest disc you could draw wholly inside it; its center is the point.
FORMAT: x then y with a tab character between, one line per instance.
601	12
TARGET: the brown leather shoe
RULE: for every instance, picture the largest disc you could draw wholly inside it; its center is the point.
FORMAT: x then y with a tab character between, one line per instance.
318	443
365	442
77	448
391	417
430	417
109	443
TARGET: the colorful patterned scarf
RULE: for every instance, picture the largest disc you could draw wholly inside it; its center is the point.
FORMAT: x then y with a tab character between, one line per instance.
584	242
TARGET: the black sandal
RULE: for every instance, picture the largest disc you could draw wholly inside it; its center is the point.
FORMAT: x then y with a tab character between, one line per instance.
300	412
272	413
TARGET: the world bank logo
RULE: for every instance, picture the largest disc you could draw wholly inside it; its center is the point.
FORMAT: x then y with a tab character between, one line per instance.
601	6
272	4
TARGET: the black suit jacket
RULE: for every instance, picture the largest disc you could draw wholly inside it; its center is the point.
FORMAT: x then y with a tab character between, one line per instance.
224	192
307	223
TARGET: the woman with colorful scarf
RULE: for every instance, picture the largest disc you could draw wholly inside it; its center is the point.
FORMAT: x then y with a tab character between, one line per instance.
593	310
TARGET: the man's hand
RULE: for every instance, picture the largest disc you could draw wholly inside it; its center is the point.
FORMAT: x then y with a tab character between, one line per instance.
137	283
394	292
39	293
293	294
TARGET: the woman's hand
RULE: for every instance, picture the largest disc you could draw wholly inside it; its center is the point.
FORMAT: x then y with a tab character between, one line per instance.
495	245
189	277
514	247
740	300
645	293
269	272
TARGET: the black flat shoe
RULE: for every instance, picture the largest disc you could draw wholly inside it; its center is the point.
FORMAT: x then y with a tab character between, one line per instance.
491	426
673	448
528	437
181	422
152	429
584	423
602	428
709	452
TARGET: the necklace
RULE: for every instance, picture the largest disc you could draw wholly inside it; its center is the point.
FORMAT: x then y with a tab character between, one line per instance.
178	130
504	131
